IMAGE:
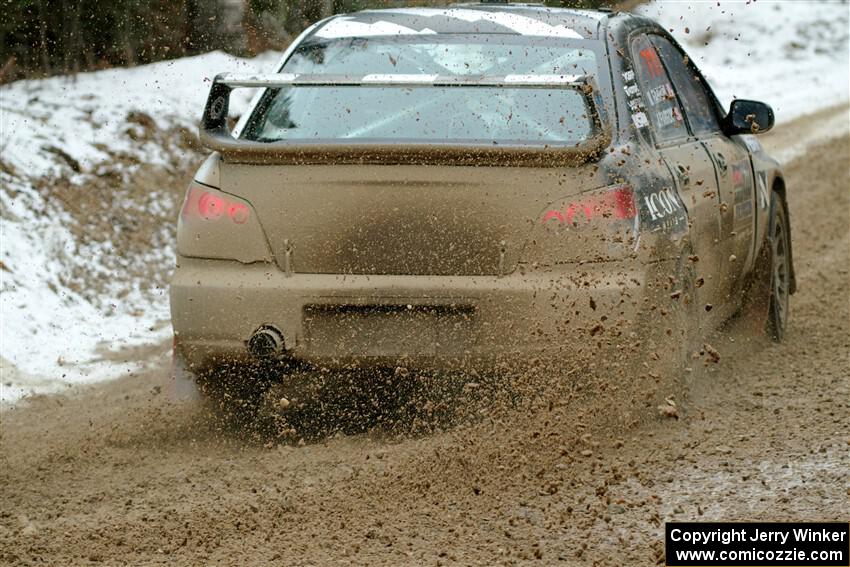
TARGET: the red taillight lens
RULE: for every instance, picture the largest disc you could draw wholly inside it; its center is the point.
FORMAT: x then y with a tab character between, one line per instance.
211	205
617	203
623	201
238	212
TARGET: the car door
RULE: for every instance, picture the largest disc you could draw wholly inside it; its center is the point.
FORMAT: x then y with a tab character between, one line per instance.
688	159
731	160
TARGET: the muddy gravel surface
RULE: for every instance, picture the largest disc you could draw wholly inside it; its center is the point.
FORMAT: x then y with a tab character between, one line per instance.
126	473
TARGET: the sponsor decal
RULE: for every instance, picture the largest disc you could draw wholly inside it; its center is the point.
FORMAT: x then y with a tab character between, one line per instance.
743	195
662	203
661	93
743	210
634	100
640	120
348	26
667	116
412	21
761	188
737	175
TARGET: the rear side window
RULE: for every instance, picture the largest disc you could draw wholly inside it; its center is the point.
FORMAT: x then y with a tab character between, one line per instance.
692	93
663	108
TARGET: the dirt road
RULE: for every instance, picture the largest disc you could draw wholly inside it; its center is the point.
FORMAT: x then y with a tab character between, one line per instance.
121	474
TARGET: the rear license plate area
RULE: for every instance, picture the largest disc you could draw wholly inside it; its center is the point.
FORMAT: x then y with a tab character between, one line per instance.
387	330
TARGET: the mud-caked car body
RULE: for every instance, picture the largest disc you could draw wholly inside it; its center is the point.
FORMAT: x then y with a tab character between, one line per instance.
475	186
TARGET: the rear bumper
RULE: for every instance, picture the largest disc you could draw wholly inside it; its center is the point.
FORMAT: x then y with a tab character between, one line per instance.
421	321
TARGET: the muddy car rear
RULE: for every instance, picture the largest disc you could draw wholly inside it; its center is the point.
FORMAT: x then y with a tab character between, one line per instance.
450	188
399	216
466	262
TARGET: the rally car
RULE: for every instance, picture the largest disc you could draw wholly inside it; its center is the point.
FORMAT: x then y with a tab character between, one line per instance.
479	186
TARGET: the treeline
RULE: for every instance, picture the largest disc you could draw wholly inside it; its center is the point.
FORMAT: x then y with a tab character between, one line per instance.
47	37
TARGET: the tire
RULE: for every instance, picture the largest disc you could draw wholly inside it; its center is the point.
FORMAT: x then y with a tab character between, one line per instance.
780	269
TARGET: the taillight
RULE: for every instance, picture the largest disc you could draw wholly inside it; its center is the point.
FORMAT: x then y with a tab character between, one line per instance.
597	226
209	206
624	202
215	224
617	203
212	205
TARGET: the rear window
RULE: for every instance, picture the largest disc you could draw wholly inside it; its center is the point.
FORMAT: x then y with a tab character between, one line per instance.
427	113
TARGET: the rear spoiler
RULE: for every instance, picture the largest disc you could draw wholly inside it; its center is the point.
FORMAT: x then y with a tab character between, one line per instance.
215	134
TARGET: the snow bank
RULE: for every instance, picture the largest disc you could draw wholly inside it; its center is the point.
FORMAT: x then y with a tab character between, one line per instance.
79	114
50	336
792	55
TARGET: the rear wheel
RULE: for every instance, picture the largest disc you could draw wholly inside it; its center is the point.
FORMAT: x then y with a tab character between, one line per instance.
780	270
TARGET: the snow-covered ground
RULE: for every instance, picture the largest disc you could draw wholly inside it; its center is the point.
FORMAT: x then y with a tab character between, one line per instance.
793	55
51	335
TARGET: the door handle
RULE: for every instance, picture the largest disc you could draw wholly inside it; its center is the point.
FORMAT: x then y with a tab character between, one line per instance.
684	176
721	162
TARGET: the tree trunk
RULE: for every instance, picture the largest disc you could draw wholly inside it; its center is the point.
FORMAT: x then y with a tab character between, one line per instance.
42	38
76	40
254	42
326	8
125	34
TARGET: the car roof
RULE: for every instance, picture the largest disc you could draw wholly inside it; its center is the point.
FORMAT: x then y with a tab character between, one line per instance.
480	18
